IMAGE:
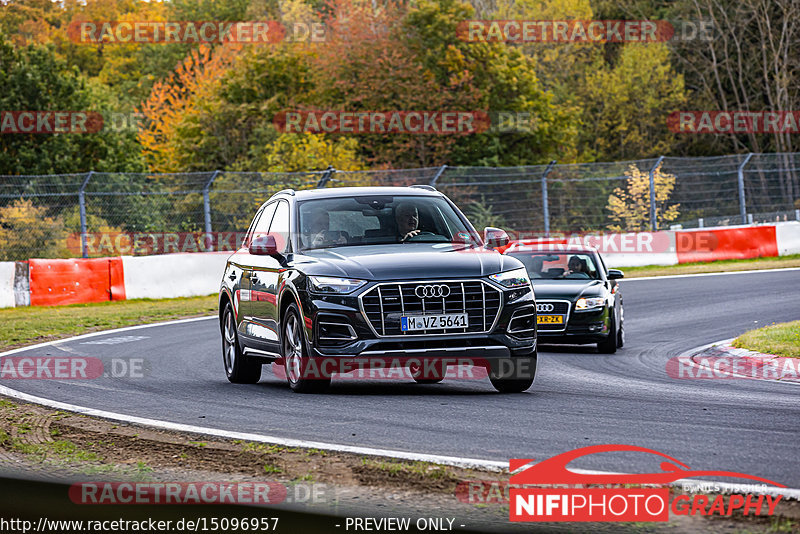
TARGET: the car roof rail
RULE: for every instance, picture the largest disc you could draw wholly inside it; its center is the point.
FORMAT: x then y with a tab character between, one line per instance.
287	191
424	186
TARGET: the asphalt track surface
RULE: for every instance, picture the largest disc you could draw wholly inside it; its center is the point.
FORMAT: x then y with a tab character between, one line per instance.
579	398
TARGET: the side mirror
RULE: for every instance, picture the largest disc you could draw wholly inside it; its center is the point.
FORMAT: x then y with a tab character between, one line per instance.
495	237
263	245
615	274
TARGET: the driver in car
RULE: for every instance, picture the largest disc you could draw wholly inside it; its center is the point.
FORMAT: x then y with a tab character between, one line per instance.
407	217
575	265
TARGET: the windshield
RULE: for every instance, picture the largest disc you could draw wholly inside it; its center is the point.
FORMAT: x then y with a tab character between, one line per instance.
380	219
550	266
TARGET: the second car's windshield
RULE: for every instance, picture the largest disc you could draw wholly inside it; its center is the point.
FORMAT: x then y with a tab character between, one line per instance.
557	266
380	219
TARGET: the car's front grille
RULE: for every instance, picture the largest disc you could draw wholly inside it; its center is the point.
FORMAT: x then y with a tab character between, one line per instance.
553	307
385	304
557	307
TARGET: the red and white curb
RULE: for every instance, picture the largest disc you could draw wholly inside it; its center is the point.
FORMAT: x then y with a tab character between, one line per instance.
721	360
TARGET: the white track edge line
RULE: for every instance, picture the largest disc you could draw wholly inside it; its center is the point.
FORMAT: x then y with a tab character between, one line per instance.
668	276
104	332
455	461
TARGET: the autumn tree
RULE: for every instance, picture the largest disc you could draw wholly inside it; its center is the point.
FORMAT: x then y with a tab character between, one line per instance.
27	231
366	64
627	104
174	102
629	207
504	79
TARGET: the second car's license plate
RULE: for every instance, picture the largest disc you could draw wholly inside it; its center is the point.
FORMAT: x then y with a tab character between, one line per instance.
433	322
550	319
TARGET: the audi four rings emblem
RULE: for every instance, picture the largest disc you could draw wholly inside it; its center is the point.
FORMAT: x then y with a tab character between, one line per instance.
432	291
544	308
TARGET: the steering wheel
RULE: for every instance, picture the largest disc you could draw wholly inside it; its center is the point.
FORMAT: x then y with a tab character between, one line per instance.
577	276
426	236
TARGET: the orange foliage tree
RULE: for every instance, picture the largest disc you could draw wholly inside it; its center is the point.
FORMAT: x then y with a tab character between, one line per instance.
181	95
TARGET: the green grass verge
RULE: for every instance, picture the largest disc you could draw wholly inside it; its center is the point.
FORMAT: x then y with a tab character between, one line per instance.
781	339
781	262
35	324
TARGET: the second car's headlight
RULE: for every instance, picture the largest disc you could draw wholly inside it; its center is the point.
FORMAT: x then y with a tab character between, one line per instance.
589	303
332	284
512	279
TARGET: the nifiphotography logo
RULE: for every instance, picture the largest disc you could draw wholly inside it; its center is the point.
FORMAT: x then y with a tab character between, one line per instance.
625	497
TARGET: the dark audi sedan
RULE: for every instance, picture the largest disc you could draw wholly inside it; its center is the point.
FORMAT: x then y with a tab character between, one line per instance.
332	280
578	299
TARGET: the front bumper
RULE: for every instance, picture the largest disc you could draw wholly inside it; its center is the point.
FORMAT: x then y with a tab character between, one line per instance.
583	327
363	343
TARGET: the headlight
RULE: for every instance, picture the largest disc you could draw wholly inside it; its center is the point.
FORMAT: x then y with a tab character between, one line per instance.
512	279
331	284
591	302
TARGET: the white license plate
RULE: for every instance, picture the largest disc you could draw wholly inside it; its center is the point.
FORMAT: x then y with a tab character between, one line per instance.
433	322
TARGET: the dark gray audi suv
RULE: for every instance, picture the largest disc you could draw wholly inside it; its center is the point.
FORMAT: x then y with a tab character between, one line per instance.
332	280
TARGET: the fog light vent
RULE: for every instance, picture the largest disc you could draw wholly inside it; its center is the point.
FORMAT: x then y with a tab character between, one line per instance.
334	330
523	322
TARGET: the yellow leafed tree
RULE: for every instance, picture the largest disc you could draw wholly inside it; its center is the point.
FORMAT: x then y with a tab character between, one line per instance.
26	231
630	206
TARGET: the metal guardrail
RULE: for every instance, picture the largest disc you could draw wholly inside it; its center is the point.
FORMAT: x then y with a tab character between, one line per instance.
40	216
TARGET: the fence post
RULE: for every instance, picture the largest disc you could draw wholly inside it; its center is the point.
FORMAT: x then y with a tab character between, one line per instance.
742	205
653	221
82	206
439	173
545	205
326	177
207	208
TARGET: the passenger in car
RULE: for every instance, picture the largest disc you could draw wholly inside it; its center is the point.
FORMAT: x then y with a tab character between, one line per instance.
537	265
320	232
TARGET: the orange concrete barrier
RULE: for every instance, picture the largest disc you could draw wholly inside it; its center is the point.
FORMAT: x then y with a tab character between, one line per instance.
74	281
726	244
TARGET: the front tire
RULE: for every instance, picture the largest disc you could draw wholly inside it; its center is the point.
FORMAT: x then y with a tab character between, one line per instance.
516	379
609	345
301	378
238	368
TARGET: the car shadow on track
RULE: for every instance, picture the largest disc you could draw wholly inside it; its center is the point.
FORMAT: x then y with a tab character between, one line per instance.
577	350
390	387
